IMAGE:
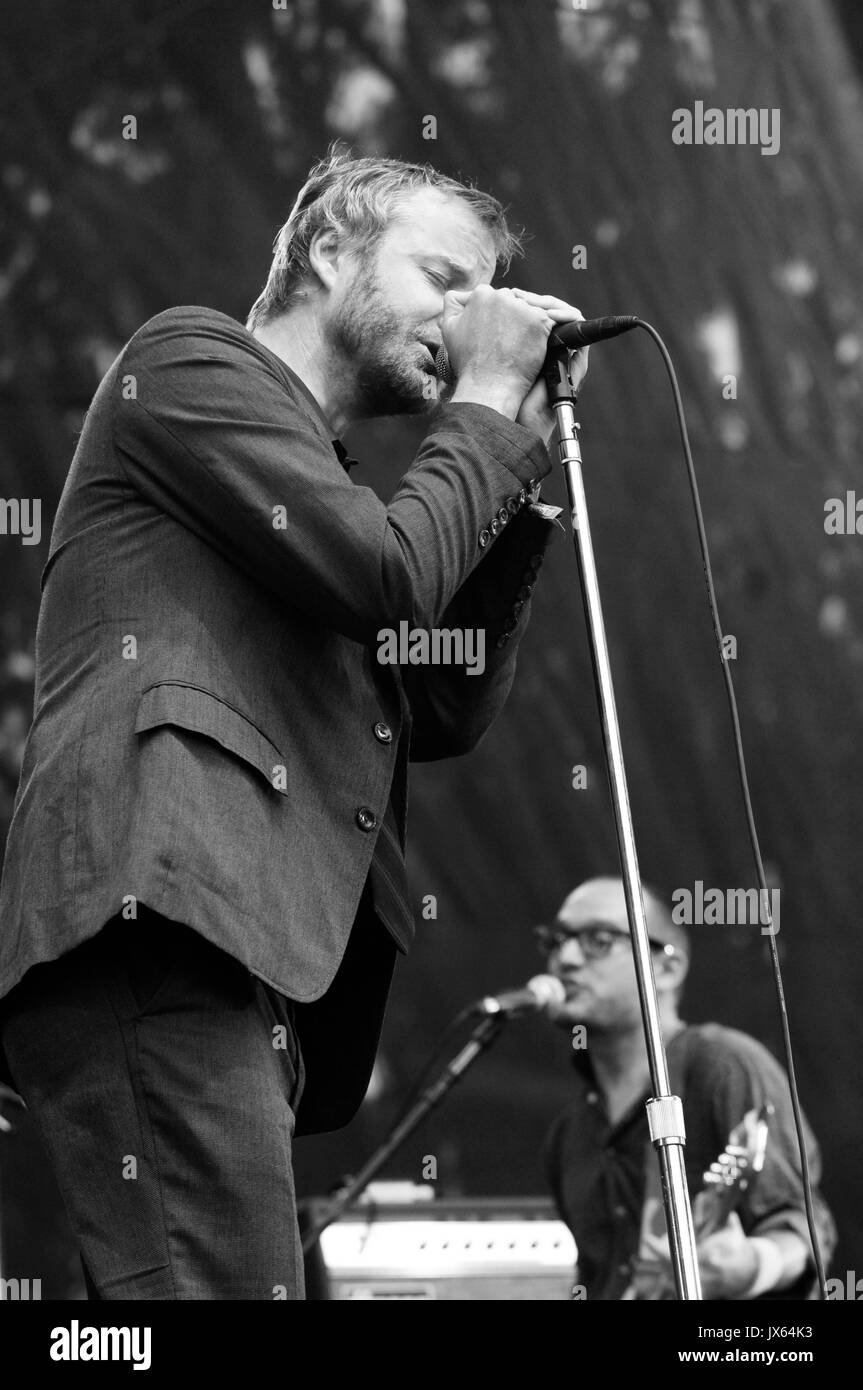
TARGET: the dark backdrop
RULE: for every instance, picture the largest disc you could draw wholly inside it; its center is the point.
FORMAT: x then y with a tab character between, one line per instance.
748	264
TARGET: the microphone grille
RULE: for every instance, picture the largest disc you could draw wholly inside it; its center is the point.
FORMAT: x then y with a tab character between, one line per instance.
547	990
442	367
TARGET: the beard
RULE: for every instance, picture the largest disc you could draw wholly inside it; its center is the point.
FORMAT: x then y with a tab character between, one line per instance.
372	339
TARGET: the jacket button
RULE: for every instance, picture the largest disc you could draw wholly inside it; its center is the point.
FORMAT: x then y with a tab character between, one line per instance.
484	538
503	516
383	732
512	505
510	625
366	818
522	496
495	527
524	593
502	640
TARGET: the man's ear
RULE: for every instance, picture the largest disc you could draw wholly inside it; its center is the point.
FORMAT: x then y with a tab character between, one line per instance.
326	255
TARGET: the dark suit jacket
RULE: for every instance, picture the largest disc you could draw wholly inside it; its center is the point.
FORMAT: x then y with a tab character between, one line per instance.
207	685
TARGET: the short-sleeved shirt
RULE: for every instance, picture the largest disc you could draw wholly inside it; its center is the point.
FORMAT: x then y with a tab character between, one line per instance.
600	1173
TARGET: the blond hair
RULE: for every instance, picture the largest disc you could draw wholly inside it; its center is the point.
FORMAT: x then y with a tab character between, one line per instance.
359	197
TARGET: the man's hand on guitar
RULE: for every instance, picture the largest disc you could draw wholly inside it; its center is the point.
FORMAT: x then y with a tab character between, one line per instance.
728	1262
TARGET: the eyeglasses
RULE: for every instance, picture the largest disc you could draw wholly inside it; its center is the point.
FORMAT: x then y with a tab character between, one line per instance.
594	942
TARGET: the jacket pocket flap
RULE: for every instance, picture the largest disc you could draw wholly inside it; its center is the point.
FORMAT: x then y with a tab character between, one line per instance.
200	712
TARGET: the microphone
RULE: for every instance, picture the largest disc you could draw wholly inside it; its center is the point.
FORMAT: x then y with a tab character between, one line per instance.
583	332
540	993
579	333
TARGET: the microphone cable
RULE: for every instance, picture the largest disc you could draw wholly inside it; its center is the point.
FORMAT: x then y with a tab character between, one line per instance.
747	800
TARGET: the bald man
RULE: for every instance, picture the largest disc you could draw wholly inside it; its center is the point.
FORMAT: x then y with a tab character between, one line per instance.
602	1168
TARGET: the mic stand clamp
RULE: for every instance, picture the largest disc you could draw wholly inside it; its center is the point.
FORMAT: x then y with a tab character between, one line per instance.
664	1110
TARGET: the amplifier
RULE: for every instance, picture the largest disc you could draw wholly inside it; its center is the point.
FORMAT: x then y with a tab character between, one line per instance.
480	1248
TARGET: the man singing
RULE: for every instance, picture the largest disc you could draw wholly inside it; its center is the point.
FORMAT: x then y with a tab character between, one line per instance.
204	889
602	1168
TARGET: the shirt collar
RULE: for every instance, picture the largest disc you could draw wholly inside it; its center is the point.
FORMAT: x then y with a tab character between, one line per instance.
342	455
341	452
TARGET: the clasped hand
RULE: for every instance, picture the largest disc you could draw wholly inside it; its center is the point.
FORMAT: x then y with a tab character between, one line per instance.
497	341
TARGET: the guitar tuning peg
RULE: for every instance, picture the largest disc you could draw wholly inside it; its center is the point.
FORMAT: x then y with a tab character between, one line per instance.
720	1175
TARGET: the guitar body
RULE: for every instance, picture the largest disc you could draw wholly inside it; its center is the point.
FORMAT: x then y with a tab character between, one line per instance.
724	1185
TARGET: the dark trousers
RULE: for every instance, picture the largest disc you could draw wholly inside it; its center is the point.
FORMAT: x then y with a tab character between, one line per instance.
164	1079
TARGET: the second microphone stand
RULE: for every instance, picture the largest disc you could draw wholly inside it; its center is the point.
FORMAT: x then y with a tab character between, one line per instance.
664	1110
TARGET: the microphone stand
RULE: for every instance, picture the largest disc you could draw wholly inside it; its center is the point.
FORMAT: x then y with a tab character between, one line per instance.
664	1110
483	1034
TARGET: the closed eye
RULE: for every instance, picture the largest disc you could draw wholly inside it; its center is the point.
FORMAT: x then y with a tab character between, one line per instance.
436	279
